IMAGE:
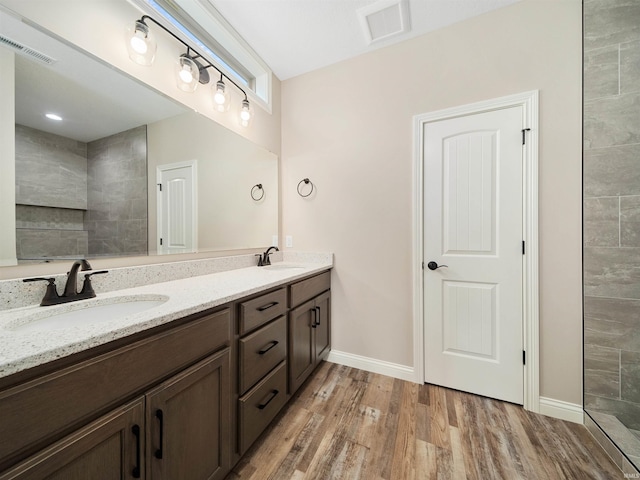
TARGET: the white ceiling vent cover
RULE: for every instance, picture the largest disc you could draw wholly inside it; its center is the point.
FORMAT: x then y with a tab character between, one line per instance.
26	51
384	19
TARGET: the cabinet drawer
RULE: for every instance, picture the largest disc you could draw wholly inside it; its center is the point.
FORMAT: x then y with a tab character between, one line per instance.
261	351
309	288
41	410
258	407
260	310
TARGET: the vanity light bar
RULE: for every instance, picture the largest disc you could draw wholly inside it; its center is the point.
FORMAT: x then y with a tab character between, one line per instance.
191	67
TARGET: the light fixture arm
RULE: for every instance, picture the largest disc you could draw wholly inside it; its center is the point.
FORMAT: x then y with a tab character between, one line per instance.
206	63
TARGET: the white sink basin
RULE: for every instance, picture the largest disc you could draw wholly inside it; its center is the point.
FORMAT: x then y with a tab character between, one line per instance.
85	313
283	266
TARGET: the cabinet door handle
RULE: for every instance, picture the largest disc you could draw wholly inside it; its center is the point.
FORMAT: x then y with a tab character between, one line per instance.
315	318
267	306
272	395
136	470
265	349
317	309
160	417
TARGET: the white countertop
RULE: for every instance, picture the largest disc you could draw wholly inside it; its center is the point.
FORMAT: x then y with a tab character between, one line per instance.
22	350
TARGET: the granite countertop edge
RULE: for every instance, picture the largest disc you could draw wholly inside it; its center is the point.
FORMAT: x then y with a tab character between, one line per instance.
24	350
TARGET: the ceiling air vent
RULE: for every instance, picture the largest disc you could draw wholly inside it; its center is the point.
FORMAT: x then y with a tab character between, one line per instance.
26	51
384	19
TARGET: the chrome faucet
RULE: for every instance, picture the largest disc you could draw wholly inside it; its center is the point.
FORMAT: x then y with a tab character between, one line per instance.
70	294
264	258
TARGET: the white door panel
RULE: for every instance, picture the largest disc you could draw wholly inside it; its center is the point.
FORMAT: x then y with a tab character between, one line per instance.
469	202
177	208
473	228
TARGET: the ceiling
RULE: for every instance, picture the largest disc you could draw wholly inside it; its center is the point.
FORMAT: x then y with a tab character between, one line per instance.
94	100
297	36
292	36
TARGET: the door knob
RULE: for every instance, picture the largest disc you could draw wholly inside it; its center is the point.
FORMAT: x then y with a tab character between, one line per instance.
434	266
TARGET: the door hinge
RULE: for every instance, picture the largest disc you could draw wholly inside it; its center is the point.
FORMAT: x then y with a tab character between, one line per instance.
523	250
159	186
160	241
524	137
524	357
423	265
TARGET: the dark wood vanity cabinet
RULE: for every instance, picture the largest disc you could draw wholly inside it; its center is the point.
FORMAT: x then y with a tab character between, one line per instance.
262	364
110	447
71	420
184	400
180	429
309	327
189	423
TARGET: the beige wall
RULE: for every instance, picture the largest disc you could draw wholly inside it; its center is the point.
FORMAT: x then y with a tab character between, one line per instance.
348	127
227	167
7	162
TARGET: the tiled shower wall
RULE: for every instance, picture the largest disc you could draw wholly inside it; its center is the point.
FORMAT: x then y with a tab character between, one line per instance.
612	211
75	199
51	195
117	194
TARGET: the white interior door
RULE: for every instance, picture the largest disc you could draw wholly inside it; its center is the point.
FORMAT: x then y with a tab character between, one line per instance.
177	217
473	224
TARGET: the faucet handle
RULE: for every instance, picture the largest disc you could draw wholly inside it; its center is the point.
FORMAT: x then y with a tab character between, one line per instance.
40	279
87	288
87	275
51	295
260	264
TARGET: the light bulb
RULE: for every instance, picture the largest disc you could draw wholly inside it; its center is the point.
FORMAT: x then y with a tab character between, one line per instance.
220	97
187	73
246	113
141	43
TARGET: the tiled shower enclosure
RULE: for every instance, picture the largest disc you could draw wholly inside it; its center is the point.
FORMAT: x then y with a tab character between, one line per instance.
77	199
611	195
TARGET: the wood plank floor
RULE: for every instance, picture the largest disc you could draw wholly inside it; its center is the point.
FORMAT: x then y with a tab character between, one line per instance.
345	423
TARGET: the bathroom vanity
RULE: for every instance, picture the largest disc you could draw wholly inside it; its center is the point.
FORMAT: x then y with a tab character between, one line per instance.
166	394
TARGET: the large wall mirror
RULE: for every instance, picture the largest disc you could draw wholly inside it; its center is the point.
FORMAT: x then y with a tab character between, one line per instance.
89	185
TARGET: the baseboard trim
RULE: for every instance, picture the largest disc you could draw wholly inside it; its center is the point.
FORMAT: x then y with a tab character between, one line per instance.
372	365
571	412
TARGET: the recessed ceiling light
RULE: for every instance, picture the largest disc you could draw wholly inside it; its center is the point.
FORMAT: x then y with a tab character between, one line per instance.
53	116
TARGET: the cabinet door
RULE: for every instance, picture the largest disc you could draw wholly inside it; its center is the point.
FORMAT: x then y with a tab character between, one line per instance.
188	423
301	349
322	330
108	448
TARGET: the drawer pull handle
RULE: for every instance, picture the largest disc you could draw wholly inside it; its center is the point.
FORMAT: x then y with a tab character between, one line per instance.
267	306
273	394
271	344
159	416
136	470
